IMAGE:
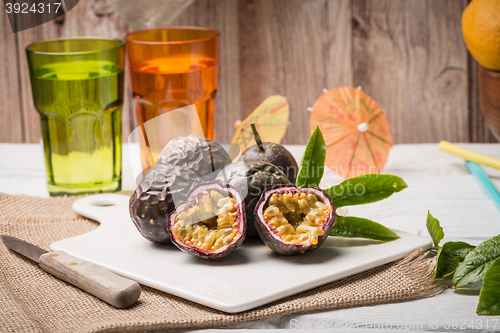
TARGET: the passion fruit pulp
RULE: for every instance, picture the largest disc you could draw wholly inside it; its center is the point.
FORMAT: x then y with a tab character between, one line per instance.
293	220
251	178
155	198
212	223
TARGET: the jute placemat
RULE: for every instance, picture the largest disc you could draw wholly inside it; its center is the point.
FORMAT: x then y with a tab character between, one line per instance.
34	301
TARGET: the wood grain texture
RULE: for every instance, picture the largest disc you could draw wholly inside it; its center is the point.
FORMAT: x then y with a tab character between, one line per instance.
408	55
338	44
414	65
281	52
221	15
11	126
156	13
96	280
489	95
88	18
478	130
378	59
447	70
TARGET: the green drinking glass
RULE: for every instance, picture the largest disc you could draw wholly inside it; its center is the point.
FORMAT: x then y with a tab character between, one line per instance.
77	86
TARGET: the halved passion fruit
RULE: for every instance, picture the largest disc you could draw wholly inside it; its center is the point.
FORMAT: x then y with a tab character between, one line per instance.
211	223
252	177
292	220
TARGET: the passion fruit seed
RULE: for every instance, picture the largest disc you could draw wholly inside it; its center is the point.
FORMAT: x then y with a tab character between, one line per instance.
211	224
294	220
297	218
252	177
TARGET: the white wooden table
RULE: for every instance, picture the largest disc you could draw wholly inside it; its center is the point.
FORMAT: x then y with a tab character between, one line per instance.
437	182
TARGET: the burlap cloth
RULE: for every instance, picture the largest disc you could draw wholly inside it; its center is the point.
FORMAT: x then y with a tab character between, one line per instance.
34	301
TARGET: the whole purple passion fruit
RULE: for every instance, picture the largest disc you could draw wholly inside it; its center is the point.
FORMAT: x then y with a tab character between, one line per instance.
273	153
252	177
155	198
292	220
203	156
276	154
211	223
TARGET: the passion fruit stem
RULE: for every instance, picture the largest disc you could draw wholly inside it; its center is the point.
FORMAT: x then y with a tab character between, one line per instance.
257	136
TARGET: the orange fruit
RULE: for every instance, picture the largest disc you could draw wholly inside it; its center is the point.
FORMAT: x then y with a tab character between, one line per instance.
481	30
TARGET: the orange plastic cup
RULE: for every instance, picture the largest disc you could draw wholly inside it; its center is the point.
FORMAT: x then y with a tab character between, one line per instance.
171	68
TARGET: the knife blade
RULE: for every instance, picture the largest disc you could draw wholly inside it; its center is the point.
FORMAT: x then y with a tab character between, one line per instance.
94	279
26	249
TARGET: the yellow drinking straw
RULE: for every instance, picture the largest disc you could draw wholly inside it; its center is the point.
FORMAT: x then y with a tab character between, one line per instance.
469	155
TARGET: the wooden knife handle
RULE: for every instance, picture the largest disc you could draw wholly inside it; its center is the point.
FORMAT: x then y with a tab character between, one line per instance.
96	280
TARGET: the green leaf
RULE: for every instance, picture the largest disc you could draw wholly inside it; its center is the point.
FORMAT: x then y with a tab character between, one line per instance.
477	262
312	165
489	297
365	189
357	227
458	249
446	264
449	256
434	229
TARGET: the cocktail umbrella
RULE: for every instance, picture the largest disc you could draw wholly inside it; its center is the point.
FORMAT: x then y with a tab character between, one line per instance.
271	120
356	131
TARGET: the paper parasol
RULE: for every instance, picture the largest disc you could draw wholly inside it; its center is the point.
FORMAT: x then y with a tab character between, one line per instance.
356	131
271	120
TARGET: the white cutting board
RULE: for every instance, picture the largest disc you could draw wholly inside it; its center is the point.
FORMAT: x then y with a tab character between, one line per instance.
250	276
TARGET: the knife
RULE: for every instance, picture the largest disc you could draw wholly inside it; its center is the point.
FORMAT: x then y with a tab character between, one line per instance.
96	280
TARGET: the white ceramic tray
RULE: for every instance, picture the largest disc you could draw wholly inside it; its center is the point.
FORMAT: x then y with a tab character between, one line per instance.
250	276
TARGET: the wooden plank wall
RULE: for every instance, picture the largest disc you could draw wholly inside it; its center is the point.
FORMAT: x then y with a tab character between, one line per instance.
408	55
88	18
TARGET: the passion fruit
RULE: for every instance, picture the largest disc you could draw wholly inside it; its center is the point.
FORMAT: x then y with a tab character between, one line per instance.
155	197
212	223
203	156
276	154
292	220
251	178
273	153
